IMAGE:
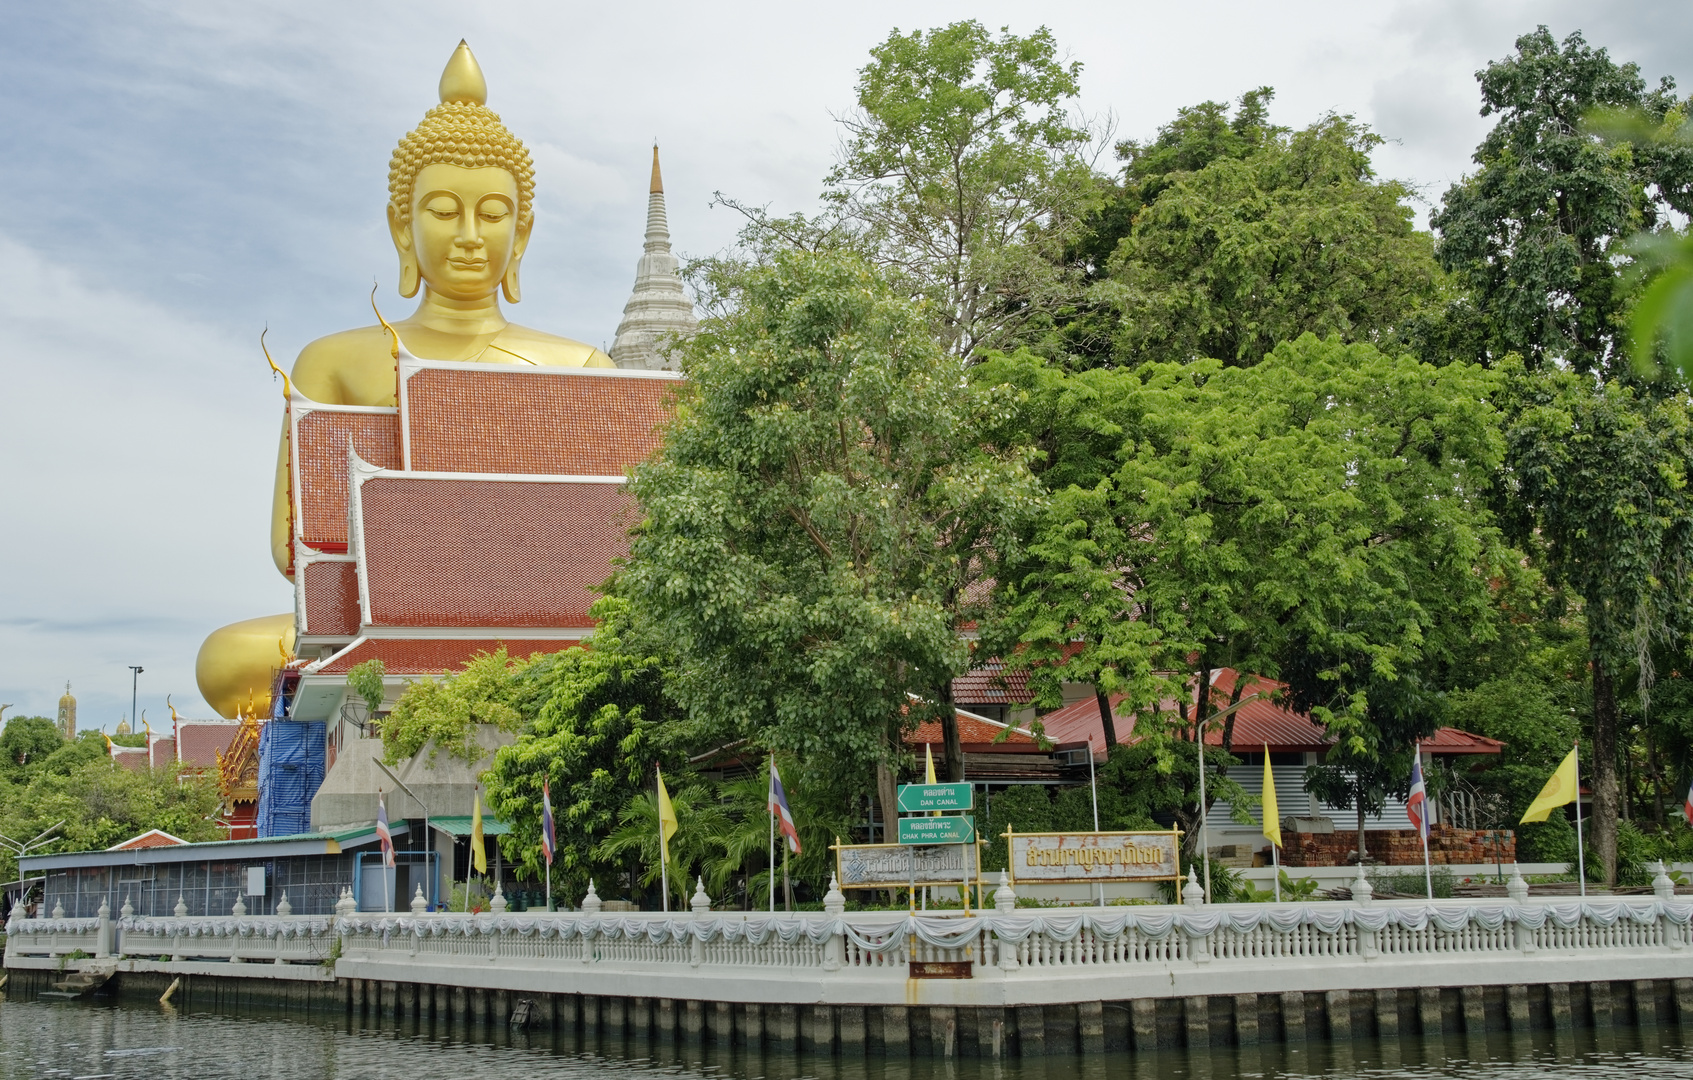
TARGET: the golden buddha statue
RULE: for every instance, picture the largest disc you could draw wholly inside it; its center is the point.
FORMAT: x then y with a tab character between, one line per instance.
460	210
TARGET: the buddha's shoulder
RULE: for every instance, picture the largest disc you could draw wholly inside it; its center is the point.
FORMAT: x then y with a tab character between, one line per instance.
549	350
352	367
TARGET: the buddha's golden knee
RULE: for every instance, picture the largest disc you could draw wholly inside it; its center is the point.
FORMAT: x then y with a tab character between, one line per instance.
237	662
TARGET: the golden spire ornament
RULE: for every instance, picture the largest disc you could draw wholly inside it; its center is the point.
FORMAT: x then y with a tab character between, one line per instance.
462	80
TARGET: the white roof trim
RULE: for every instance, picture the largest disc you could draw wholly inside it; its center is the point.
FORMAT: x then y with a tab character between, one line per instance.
516	478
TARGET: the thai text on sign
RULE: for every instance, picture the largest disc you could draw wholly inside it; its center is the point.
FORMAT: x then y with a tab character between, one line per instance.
1094	856
872	866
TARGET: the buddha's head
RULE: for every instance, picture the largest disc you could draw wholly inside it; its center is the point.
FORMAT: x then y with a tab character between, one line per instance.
460	194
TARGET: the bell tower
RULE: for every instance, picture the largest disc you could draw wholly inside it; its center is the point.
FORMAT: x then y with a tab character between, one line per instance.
67	713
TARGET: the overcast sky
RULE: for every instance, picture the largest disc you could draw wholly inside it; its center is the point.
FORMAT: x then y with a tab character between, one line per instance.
177	176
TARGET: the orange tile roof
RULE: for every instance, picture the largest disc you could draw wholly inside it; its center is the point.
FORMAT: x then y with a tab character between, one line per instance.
198	743
152	838
432	656
450	552
559	423
332	597
974	732
320	467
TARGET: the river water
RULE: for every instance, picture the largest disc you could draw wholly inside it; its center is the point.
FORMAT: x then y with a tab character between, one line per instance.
85	1041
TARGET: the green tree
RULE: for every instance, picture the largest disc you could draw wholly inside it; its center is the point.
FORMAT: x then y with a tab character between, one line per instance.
963	175
446	713
1277	234
593	724
28	740
1537	234
816	521
1599	475
1321	515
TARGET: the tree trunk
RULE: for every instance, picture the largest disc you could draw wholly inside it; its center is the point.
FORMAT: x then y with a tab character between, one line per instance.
1603	769
1362	851
1106	721
888	795
953	764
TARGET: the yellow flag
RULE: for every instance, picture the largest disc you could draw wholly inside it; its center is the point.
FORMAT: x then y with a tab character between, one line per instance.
666	818
1272	817
929	764
1559	790
478	853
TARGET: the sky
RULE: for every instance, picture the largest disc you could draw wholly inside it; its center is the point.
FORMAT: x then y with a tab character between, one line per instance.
178	177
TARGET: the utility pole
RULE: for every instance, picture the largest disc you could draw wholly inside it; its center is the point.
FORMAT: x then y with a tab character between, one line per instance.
134	682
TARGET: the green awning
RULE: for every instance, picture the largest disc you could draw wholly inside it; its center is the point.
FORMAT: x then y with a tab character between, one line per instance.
460	826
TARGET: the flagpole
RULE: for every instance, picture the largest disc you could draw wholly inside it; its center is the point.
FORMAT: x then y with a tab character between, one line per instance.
1276	867
770	806
663	854
1580	855
1428	874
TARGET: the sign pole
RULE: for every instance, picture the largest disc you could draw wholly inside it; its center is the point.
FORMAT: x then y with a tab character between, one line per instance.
1580	855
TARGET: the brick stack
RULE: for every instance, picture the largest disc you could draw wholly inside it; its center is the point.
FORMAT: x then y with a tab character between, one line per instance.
1401	847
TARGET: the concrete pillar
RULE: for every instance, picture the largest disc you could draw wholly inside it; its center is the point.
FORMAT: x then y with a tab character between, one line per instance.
1143	1023
1387	1013
1197	1013
1645	1001
693	1020
1246	1019
408	1000
1031	1030
440	1010
943	1031
478	1006
613	1015
564	1013
355	997
591	1014
1475	1009
1516	1006
720	1023
895	1030
1293	1016
818	1031
1683	993
786	1030
1090	1026
641	1016
752	1025
1558	1005
665	1015
458	1000
1430	1016
853	1029
390	1000
1599	1001
1338	1004
500	1007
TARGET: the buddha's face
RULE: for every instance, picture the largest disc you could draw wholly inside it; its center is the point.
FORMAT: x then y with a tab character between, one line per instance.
464	234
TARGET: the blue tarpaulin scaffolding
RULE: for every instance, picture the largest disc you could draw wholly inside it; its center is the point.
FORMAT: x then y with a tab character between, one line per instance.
290	772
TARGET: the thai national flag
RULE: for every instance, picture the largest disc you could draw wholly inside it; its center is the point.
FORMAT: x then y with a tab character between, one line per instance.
382	832
779	808
1416	807
1687	807
549	840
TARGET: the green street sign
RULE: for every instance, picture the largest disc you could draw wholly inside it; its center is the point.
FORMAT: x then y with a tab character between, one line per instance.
918	798
937	830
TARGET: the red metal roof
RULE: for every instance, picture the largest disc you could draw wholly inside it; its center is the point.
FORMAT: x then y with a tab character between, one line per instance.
1079	722
320	467
991	684
450	552
332	597
557	422
976	733
432	656
1451	740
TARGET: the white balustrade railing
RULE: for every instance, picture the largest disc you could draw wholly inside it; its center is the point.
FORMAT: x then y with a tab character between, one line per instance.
882	945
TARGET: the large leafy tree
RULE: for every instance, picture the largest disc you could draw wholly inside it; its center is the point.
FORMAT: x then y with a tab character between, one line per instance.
1320	515
817	519
1599	476
963	176
1536	235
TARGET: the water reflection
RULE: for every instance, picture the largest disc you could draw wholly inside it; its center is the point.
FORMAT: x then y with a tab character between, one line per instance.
85	1041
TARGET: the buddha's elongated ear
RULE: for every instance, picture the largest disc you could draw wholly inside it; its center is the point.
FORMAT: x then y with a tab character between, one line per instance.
509	284
410	274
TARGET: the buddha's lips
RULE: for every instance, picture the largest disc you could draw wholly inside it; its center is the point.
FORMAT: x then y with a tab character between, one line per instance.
469	264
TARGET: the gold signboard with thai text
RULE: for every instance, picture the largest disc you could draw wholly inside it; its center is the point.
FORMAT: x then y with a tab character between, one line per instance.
888	866
1093	856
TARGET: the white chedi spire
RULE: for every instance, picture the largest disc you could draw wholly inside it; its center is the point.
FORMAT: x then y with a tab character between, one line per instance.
658	306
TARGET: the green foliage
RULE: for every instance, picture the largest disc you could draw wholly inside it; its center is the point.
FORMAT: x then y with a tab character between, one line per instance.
1275	235
27	740
1293	891
445	713
1413	881
593	723
1536	234
365	680
100	802
815	518
962	174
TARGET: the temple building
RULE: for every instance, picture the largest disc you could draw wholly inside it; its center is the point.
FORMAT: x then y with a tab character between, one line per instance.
659	307
67	713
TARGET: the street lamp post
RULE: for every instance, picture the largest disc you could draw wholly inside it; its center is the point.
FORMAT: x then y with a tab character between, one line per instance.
1204	832
134	682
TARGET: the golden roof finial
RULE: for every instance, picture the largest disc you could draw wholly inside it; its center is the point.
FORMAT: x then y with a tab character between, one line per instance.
462	79
657	187
394	335
287	392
